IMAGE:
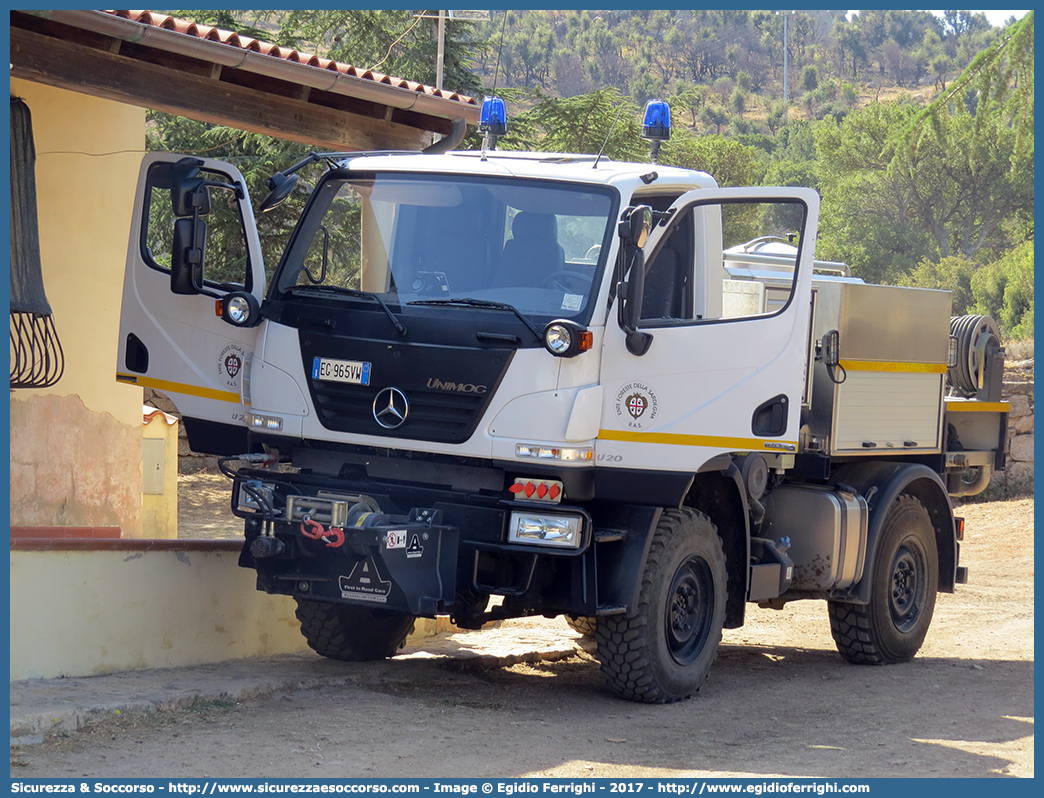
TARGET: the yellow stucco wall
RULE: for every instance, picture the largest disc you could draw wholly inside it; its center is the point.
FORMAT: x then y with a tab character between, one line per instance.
76	447
109	611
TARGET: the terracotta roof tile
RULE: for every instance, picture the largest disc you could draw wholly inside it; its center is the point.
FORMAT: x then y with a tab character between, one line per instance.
231	39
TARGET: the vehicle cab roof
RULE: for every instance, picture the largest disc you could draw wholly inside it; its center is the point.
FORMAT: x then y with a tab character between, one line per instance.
570	167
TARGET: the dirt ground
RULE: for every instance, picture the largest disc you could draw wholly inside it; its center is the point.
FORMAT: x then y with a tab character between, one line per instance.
779	702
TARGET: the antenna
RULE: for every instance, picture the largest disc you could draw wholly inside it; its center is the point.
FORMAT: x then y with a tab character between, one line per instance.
608	135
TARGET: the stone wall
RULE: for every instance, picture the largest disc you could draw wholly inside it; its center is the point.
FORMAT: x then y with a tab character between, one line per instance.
1017	479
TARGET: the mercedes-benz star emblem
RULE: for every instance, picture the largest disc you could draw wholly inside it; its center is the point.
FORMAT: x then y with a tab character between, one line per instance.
390	408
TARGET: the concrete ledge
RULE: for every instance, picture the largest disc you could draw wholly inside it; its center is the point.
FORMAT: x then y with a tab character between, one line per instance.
102	543
44	706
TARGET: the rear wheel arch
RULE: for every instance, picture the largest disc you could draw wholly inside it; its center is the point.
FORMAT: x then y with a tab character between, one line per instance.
884	482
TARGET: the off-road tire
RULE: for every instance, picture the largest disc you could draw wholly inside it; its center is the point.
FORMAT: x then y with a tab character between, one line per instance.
662	653
355	634
891	628
583	624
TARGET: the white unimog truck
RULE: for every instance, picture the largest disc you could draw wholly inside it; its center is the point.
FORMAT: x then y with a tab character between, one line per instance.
495	384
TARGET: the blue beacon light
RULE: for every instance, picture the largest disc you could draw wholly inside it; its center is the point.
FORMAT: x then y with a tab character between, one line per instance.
493	122
656	127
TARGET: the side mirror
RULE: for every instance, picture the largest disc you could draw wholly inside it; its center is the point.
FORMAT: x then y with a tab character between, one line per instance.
281	185
635	225
186	257
189	196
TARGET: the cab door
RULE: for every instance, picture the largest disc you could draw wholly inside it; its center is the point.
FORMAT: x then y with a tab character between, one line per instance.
171	335
726	300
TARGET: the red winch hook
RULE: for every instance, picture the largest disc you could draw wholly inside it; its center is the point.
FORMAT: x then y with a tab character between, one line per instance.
316	531
338	538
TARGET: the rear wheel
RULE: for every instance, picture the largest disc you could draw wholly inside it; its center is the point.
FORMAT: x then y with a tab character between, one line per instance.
355	634
891	628
663	652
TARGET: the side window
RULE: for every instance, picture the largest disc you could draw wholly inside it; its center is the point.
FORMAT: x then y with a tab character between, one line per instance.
725	260
334	254
759	255
226	262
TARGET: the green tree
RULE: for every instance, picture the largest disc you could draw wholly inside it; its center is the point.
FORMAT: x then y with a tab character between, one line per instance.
714	116
954	274
738	101
867	218
900	184
725	159
1004	289
809	78
585	123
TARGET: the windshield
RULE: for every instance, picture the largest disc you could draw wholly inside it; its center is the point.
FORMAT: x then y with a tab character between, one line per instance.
537	246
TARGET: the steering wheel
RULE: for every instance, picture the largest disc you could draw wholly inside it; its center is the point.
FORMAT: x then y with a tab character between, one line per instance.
568	282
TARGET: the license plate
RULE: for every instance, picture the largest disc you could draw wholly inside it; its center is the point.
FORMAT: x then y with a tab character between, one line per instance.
351	371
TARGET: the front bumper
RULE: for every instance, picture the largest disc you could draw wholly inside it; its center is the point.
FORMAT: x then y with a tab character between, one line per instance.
426	552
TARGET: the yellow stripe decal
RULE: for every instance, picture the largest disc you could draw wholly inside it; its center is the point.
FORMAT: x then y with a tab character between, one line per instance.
710	441
902	368
977	407
180	387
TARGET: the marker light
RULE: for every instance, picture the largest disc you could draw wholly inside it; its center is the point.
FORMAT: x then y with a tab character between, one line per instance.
951	352
560	453
657	123
493	121
270	423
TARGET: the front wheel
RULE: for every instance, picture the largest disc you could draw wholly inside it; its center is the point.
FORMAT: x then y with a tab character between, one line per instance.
662	653
585	625
891	628
355	634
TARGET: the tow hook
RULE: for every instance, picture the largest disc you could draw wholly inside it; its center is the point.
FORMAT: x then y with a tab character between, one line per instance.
314	530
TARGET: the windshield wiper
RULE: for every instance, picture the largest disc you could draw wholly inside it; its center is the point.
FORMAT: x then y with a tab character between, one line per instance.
400	328
481	303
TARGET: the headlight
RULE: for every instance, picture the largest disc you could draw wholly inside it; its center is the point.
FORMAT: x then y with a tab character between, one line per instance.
565	338
558	338
559	531
240	309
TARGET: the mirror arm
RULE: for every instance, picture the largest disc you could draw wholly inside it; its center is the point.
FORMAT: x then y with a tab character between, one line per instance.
630	295
198	253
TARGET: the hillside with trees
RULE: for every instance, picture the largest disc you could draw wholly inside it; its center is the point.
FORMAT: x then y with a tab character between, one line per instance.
916	130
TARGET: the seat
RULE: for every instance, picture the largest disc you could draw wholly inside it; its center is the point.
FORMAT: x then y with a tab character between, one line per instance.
533	252
661	299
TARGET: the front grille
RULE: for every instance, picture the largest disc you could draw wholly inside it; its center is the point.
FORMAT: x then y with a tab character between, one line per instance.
434	415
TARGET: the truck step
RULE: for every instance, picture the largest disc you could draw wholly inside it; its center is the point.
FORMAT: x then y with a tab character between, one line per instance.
609	535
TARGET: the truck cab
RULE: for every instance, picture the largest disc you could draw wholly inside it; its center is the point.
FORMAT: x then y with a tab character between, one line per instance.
577	387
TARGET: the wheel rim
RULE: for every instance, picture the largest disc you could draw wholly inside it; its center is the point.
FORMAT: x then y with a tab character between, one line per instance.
690	605
909	585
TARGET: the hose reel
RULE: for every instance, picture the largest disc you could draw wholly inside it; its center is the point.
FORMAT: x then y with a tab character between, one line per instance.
979	363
